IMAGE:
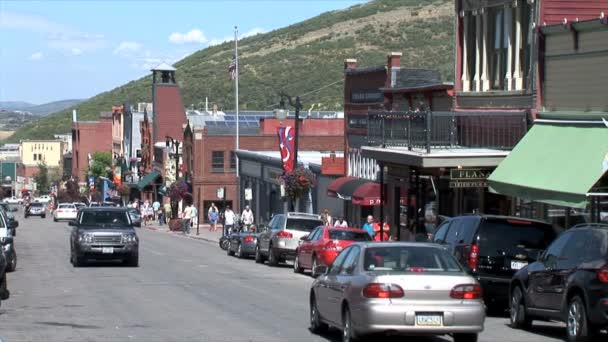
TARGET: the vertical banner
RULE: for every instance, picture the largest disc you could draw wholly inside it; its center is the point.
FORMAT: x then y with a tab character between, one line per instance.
117	175
286	146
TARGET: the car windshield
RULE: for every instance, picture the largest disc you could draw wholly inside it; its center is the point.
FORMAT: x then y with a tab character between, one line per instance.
304	225
511	237
339	234
36	205
400	259
104	218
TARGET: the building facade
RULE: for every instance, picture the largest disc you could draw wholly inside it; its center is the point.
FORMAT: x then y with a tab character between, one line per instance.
49	152
89	137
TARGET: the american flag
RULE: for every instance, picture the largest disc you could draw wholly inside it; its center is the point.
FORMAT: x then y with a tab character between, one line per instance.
232	68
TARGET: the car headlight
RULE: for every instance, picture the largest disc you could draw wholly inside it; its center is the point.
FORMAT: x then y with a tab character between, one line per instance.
86	238
129	238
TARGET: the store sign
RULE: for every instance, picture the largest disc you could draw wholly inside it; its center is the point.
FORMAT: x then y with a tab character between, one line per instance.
220	193
469	178
248	194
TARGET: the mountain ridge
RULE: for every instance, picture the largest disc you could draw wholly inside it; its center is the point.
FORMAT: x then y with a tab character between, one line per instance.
302	58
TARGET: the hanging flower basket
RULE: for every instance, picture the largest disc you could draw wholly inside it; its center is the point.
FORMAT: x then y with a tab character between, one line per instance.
297	182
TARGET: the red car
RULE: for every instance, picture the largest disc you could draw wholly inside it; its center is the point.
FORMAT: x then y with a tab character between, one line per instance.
323	245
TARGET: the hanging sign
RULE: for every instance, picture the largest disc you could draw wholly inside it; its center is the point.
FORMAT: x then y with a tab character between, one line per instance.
469	178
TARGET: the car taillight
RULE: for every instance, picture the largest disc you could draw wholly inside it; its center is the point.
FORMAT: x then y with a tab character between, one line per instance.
379	290
602	274
466	291
59	210
284	234
248	239
473	257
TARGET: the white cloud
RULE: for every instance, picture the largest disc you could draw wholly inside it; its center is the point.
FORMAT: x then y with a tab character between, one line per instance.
36	56
76	51
193	36
57	36
127	48
253	32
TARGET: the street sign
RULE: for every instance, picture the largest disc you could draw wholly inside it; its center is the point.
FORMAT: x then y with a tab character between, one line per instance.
220	193
469	174
248	194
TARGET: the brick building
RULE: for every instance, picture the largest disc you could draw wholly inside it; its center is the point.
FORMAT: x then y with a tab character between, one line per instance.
89	137
169	116
210	159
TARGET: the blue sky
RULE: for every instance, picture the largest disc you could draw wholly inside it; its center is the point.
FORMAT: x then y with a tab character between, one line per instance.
54	50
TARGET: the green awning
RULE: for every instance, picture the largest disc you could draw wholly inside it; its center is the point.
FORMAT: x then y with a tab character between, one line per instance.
554	163
148	179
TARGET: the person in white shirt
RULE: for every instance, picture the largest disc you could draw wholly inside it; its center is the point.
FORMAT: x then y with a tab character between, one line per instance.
229	218
247	217
186	217
341	223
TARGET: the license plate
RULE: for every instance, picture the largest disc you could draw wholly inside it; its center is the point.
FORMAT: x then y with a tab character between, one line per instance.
518	265
107	250
428	320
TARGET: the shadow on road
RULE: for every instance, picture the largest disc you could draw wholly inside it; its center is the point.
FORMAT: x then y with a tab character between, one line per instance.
103	263
335	335
546	330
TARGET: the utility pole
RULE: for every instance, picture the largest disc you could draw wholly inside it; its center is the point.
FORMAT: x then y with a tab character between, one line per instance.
297	105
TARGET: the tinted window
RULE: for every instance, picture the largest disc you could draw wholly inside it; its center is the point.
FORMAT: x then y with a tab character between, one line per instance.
35	204
351	261
597	245
302	224
400	259
315	234
555	249
501	237
336	265
336	234
104	218
574	249
442	232
462	230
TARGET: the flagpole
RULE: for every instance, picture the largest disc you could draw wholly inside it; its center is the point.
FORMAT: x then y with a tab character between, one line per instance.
236	105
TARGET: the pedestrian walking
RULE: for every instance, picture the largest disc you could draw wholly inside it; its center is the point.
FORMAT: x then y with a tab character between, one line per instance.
247	218
156	207
213	216
326	217
341	222
229	220
167	210
194	216
186	217
369	226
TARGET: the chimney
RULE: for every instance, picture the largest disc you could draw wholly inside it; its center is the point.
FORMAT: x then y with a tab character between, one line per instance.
206	104
350	63
393	64
74	115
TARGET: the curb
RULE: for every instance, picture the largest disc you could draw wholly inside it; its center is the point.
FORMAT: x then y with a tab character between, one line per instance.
194	237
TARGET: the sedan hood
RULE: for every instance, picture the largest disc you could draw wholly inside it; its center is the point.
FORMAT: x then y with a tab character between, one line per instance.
108	230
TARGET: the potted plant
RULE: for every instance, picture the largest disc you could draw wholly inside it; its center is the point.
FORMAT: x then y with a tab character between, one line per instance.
297	183
176	192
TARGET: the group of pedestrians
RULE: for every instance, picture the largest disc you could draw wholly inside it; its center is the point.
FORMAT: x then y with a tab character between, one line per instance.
230	219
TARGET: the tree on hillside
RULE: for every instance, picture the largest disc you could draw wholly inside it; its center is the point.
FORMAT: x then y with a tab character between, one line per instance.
42	178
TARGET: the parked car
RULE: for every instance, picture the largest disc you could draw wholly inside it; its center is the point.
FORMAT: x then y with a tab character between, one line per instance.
35	209
12	200
79	205
398	288
65	211
103	234
7	207
10	217
242	244
135	217
323	245
7	246
278	242
43	199
493	248
569	283
4	292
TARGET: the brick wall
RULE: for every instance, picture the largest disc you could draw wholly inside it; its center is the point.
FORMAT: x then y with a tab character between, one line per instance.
170	115
89	137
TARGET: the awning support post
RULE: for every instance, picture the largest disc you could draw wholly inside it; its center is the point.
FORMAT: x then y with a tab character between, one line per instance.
381	201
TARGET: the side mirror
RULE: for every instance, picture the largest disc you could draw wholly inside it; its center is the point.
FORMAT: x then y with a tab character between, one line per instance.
319	271
12	224
73	223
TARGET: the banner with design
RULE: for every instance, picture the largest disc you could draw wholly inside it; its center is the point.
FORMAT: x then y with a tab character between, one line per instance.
287	146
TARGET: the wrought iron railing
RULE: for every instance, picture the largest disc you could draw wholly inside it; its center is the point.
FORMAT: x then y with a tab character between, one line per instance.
441	130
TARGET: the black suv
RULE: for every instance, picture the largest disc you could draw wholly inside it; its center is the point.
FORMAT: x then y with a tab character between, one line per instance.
569	282
493	248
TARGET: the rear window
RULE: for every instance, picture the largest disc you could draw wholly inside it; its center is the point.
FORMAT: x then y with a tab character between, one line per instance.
36	204
302	224
399	259
500	238
336	234
66	206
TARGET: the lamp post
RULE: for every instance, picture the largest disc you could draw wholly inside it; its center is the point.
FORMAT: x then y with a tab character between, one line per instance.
297	105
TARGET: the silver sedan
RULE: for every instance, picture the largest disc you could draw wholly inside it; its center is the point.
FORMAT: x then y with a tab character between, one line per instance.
396	288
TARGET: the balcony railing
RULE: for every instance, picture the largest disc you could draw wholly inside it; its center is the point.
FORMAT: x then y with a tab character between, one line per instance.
427	130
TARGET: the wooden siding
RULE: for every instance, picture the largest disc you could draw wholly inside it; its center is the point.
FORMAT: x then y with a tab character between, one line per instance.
554	11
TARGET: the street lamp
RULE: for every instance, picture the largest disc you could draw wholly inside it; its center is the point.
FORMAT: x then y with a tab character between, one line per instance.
283	113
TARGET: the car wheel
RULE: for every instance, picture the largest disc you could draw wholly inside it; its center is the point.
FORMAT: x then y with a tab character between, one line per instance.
348	333
465	337
272	259
77	261
314	265
239	251
55	219
229	251
296	265
43	216
12	266
577	325
517	310
316	325
258	255
224	244
133	261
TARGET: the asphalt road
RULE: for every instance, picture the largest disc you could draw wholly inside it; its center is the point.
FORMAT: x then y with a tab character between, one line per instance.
184	290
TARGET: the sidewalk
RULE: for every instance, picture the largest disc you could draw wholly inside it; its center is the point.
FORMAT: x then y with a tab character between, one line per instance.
204	233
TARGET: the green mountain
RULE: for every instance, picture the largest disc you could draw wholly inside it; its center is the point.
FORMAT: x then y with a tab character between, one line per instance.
303	59
52	107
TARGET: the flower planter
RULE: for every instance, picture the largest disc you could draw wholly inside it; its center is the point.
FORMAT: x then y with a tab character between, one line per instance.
175	225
